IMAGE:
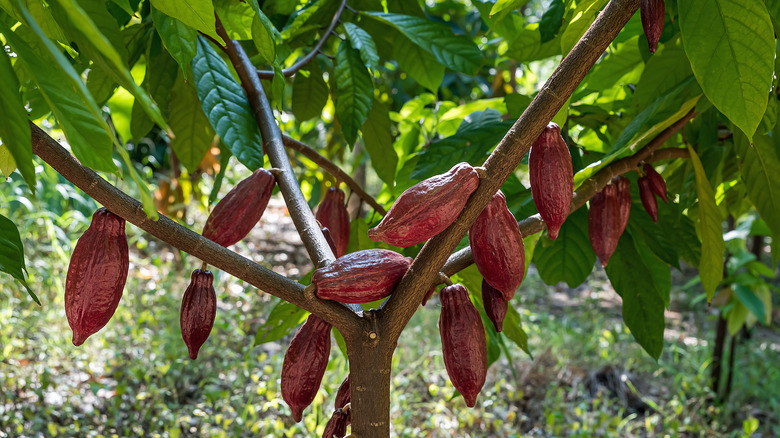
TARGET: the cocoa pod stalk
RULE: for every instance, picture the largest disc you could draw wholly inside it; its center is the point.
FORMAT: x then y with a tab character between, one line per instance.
647	196
96	275
304	364
427	208
361	276
495	305
463	342
653	14
657	182
238	212
605	222
198	311
332	213
552	178
329	239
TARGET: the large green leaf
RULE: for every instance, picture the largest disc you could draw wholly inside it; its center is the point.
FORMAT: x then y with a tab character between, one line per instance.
236	18
621	66
551	20
15	129
751	301
363	42
192	132
284	317
568	258
355	91
663	71
525	43
309	93
417	63
457	52
582	16
179	39
502	8
710	220
160	76
379	142
197	14
226	106
12	253
263	36
731	47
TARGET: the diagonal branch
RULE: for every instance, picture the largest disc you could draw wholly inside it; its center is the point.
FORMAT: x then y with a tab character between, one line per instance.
334	170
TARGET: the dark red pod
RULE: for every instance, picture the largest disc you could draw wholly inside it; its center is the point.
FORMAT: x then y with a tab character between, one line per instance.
497	247
304	364
96	275
428	295
647	196
361	276
657	182
337	425
343	394
238	212
653	14
552	178
495	305
427	208
605	222
624	199
198	311
332	213
463	342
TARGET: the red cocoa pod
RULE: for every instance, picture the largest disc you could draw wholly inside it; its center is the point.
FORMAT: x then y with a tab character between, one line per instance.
362	276
624	199
96	275
657	182
552	178
198	310
653	14
428	296
235	215
647	196
332	213
337	425
427	208
463	342
604	222
329	239
343	394
304	364
497	247
495	305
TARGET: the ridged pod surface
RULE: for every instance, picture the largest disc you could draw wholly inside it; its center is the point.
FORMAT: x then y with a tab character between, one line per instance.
607	219
304	364
343	397
427	208
361	276
495	305
337	425
332	213
657	182
653	15
463	342
238	212
96	275
552	178
647	196
198	311
497	247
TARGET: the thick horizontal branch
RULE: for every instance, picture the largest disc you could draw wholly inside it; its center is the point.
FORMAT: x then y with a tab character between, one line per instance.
334	170
174	234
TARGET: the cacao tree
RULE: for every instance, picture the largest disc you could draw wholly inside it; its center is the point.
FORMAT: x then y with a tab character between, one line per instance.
441	102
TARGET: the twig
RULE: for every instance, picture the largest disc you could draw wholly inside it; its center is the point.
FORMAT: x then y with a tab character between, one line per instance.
334	170
291	70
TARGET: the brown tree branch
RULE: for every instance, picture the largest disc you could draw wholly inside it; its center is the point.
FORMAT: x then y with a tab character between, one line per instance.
334	170
291	70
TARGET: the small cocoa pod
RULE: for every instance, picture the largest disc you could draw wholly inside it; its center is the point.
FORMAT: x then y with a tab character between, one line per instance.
647	196
329	239
332	213
463	342
497	247
657	182
495	305
606	221
343	394
361	276
198	310
96	275
337	425
653	14
304	364
238	212
552	178
428	296
624	199
427	208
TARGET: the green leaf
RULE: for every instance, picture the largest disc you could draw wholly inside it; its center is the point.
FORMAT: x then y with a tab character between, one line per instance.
7	163
643	307
379	142
355	91
160	76
309	93
457	52
502	8
582	17
363	42
197	14
284	317
525	44
621	66
236	17
551	20
179	39
663	71
263	38
570	257
417	63
226	106
15	129
191	128
710	220
747	297
12	254
731	47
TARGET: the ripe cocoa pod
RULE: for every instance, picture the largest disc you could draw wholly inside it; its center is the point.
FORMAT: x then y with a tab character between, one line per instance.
304	364
552	178
653	14
337	425
329	239
497	247
495	305
332	213
362	276
427	208
624	199
607	219
463	342
235	215
657	182
198	310
648	197
343	395
96	275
